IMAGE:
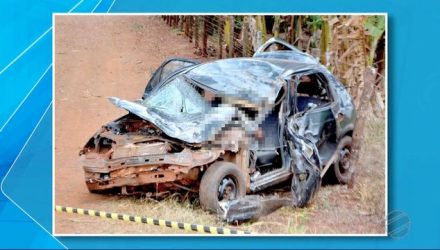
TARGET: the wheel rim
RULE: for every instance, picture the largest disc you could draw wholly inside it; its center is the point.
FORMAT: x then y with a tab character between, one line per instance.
344	161
227	189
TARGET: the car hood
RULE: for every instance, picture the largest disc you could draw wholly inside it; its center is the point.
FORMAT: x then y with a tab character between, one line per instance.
191	129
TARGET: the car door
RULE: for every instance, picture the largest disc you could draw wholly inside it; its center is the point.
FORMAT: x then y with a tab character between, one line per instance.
167	69
343	110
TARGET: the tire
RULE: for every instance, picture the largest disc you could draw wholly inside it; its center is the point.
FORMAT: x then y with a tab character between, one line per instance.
221	176
343	166
304	190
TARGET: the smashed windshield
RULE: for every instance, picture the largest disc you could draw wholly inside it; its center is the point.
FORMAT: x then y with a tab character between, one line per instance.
177	99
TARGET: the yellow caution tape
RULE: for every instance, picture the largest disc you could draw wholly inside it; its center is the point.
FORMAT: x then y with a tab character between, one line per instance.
150	221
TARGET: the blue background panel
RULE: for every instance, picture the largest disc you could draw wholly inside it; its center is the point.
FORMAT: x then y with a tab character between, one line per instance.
26	121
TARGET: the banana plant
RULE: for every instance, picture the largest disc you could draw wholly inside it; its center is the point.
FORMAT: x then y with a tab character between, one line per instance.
375	27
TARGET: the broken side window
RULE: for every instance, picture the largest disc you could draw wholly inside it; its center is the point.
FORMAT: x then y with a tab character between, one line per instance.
312	89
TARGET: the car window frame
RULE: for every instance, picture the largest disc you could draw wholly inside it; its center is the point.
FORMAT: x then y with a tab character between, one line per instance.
152	85
329	89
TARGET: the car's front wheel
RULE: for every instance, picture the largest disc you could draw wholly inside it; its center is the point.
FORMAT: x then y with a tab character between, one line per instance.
223	181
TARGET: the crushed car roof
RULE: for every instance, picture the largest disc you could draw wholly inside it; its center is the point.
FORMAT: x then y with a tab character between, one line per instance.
256	80
288	55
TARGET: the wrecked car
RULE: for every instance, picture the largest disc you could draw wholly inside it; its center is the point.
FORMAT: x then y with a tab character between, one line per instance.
228	128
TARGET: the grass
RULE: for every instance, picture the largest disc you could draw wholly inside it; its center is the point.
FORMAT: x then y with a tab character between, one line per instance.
370	186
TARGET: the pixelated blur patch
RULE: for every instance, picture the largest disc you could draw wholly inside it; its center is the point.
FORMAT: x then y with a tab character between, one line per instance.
399	224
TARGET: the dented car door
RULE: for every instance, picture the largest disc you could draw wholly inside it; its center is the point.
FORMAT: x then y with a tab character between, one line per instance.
319	121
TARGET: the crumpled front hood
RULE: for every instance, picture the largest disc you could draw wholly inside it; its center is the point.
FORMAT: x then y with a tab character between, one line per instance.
193	129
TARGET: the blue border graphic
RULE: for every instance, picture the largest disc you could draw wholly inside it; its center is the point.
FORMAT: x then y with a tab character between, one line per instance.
26	120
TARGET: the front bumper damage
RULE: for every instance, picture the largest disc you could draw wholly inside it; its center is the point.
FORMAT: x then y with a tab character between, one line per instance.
114	159
103	174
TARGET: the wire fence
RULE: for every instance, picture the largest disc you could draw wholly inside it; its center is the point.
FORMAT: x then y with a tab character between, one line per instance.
343	51
219	36
239	36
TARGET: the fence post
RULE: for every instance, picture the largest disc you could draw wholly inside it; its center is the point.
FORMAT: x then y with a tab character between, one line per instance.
205	37
196	32
220	37
231	37
276	26
181	23
186	26
190	28
176	21
292	30
298	31
245	30
325	39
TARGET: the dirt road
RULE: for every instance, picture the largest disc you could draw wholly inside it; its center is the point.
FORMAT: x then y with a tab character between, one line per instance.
101	56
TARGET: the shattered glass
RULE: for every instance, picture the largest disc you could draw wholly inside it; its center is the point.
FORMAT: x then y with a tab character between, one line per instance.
178	99
189	127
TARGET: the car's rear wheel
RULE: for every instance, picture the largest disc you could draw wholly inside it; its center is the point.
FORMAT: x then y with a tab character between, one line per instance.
223	181
343	168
